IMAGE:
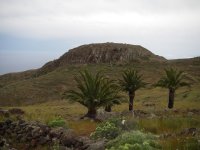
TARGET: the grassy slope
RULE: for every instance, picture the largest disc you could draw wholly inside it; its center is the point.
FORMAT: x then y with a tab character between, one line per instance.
45	92
50	86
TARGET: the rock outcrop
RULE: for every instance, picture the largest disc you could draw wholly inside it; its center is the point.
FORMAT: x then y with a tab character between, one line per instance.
34	134
103	53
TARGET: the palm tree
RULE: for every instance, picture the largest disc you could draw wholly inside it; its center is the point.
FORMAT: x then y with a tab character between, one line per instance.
172	80
132	81
94	91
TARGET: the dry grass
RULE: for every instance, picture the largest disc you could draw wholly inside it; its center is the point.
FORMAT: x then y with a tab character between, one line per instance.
71	112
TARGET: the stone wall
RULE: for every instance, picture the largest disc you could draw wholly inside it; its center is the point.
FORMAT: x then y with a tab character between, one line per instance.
34	134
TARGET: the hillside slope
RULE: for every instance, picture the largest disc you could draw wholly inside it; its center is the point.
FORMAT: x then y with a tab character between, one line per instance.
49	82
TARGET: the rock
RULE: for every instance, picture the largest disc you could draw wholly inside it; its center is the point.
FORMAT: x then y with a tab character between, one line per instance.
2	142
44	130
21	121
99	145
8	121
68	138
140	113
195	111
190	114
23	139
13	125
64	148
4	113
35	132
149	105
176	111
33	143
1	124
152	116
103	115
56	132
84	139
43	140
16	111
19	136
8	132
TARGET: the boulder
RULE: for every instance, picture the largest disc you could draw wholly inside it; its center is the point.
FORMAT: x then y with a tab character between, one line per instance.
98	145
4	113
8	122
43	140
56	132
68	138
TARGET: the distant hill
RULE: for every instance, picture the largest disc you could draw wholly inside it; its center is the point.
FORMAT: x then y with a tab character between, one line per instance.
50	81
103	53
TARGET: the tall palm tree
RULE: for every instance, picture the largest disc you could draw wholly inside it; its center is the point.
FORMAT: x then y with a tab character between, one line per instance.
132	81
172	80
94	91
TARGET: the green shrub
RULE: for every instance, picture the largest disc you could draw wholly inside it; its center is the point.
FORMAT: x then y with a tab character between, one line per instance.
106	130
130	124
58	122
134	140
116	121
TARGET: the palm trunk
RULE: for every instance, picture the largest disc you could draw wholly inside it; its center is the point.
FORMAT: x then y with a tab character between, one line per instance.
108	108
92	112
131	98
171	98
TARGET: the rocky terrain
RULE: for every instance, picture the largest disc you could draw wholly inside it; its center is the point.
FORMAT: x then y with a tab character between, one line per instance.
30	135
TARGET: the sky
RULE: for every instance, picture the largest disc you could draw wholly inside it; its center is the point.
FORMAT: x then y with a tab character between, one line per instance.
33	32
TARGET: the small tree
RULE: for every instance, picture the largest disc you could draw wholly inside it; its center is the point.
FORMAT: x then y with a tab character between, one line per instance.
172	80
94	91
132	81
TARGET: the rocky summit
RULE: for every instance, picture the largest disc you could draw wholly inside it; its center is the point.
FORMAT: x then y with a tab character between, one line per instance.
107	53
103	53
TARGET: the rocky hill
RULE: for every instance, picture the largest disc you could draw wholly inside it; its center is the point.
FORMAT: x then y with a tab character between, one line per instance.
102	53
107	53
50	81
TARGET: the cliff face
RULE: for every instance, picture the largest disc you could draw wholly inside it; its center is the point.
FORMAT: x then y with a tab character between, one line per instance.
103	53
108	52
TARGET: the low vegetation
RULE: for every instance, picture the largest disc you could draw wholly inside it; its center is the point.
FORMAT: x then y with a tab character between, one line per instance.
134	140
58	122
153	126
106	130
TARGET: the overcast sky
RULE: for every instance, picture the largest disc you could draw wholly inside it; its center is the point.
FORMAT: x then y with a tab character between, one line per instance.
33	32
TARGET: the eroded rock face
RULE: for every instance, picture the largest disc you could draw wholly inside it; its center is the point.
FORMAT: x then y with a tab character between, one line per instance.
108	53
103	53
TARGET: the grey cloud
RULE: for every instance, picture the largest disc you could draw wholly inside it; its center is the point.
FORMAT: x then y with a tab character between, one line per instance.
160	25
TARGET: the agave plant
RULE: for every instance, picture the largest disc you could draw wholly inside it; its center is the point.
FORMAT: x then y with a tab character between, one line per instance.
94	91
132	81
172	80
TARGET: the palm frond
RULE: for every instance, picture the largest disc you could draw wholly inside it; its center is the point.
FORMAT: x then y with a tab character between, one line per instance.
94	90
131	80
173	79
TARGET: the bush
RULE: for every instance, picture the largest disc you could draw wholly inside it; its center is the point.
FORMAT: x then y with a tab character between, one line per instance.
106	130
130	124
134	140
58	122
116	121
